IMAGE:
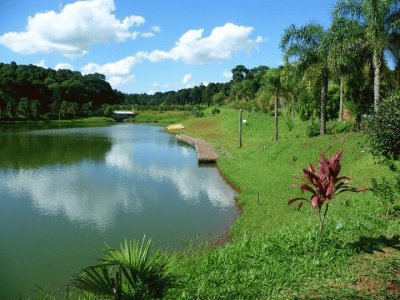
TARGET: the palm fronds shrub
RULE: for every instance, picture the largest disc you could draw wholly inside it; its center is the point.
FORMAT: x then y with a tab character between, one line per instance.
130	272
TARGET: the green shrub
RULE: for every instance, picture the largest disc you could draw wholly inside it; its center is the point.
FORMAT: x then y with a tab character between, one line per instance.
313	129
129	273
305	113
289	121
272	113
215	110
340	127
197	112
389	194
384	129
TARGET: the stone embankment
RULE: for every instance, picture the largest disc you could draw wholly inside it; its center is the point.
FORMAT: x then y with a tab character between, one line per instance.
205	152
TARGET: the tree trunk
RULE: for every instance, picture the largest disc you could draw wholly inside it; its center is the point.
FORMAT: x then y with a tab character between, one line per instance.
276	117
377	79
240	127
324	96
341	91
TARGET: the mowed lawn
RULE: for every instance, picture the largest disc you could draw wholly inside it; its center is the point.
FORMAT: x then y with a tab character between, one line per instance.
271	250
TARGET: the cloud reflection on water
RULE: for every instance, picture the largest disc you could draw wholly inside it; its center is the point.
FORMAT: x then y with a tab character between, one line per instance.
133	173
79	195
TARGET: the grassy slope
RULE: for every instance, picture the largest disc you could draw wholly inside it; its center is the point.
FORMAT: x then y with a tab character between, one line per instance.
150	116
271	252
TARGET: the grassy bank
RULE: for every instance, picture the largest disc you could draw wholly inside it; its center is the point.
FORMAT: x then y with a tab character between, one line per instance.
271	249
150	116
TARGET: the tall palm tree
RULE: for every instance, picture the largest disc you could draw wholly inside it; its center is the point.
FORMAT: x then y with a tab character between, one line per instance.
347	52
380	18
272	79
306	48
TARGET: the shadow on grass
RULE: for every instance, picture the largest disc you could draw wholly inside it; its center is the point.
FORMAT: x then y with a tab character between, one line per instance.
371	244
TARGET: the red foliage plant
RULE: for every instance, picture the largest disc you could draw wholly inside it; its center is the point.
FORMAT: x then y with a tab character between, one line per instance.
323	184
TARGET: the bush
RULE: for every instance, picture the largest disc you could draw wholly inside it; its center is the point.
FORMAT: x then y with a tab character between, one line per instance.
323	185
313	129
215	110
340	127
384	129
129	273
389	194
289	121
197	112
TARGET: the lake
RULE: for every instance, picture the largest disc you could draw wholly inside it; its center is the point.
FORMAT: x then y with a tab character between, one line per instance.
65	192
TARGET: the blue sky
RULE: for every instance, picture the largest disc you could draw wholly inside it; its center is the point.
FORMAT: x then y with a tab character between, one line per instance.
152	45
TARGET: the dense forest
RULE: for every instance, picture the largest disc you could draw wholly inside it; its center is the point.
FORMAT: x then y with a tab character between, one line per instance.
337	72
31	92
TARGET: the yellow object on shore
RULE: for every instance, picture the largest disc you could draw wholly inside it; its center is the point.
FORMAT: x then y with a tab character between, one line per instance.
175	127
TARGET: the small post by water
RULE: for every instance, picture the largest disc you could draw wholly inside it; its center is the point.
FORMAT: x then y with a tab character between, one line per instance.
240	127
276	118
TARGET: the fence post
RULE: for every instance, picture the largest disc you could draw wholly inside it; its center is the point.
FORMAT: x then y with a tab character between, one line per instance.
240	127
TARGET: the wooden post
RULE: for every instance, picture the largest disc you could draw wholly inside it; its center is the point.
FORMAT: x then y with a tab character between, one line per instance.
276	117
240	128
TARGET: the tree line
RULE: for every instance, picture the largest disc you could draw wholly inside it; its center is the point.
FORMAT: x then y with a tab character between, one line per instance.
30	92
328	73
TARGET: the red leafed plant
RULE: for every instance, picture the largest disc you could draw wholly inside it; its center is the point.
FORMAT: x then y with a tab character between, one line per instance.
323	184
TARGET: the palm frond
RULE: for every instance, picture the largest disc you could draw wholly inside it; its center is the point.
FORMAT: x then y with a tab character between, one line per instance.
351	9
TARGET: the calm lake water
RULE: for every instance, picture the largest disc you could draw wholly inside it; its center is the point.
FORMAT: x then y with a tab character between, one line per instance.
64	192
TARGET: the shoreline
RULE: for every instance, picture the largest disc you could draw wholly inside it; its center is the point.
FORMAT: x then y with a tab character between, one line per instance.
223	238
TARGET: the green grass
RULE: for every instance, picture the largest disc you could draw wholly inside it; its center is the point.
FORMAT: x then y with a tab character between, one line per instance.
271	248
149	116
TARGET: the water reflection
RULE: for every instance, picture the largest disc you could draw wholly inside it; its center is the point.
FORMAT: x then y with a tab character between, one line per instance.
121	156
192	186
30	150
109	169
63	192
84	195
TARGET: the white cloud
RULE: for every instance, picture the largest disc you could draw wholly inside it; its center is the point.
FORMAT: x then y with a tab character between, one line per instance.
221	44
64	66
148	34
42	64
186	79
152	33
227	74
205	83
116	73
73	30
156	29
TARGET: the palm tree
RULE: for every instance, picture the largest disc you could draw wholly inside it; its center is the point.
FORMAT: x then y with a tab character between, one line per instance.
380	19
346	41
306	48
272	80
